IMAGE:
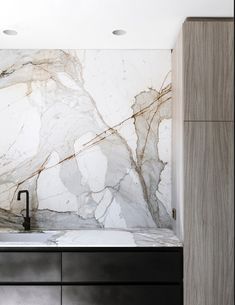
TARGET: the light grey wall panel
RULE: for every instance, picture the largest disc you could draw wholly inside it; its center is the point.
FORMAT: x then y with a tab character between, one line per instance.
177	136
30	295
29	267
209	214
208	73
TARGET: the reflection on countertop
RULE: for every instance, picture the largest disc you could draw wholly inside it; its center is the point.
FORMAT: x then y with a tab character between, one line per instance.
90	238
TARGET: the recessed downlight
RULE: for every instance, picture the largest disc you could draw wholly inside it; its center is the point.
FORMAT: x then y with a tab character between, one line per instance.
10	32
119	32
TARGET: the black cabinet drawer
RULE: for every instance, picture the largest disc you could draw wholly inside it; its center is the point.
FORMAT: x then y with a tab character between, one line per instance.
30	267
30	295
122	295
122	267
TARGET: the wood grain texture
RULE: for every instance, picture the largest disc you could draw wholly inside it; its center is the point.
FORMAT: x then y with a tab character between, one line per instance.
208	214
177	136
208	74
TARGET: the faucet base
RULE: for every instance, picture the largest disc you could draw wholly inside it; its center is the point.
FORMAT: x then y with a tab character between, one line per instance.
26	223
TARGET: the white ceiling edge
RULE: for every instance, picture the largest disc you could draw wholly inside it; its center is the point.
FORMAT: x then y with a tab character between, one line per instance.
88	24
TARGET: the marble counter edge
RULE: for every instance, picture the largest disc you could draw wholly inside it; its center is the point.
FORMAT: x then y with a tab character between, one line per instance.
112	238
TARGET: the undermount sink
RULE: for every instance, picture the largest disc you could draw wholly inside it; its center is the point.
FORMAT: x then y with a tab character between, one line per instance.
19	237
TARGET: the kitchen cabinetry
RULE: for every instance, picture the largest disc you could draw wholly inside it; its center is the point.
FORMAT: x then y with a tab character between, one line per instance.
92	276
203	161
30	295
122	294
208	88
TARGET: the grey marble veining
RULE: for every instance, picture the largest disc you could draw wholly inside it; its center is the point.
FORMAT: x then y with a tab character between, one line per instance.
88	133
92	238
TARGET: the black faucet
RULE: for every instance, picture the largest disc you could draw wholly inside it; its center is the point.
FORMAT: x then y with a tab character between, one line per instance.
26	223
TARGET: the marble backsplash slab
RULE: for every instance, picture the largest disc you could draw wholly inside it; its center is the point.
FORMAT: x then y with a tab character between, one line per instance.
88	133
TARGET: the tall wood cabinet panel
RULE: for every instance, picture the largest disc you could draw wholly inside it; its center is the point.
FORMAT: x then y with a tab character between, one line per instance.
208	74
202	158
208	213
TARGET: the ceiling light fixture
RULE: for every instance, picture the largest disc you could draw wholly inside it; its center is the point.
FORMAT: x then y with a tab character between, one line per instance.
119	32
10	32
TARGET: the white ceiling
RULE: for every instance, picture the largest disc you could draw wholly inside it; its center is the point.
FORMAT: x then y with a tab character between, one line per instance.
88	24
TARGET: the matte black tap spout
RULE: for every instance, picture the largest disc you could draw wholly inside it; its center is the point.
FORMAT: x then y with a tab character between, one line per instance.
26	223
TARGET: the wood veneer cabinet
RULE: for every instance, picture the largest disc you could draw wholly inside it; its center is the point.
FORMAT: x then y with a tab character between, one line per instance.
208	213
193	102
203	160
207	69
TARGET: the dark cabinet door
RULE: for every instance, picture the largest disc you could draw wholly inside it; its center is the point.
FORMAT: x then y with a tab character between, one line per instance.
30	295
122	267
122	295
30	267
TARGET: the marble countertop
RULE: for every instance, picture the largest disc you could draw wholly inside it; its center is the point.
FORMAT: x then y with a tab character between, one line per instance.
90	238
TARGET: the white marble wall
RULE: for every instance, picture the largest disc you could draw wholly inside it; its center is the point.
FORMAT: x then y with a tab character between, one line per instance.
89	134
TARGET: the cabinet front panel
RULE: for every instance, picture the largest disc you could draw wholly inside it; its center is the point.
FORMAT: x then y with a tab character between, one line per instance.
122	295
209	213
29	267
122	266
208	62
30	295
